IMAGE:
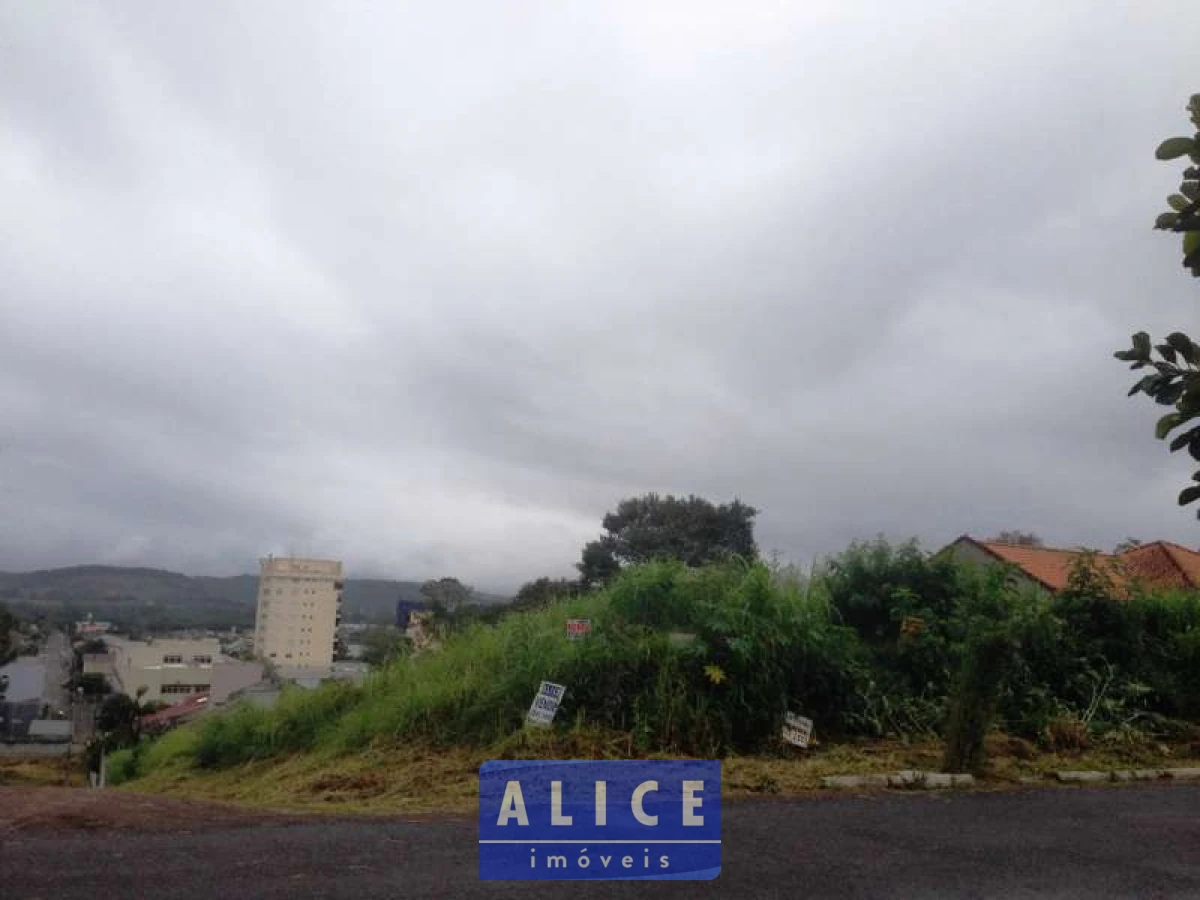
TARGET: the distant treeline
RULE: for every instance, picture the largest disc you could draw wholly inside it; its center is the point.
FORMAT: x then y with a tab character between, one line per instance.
152	599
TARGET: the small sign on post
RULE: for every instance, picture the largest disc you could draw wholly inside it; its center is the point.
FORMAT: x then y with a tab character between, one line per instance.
797	730
578	629
545	704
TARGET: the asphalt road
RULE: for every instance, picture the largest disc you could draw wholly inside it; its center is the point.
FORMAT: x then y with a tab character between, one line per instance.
1125	841
57	657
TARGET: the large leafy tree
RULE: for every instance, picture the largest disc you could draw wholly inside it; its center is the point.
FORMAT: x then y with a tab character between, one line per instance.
7	624
541	593
1175	379
1021	538
445	595
690	529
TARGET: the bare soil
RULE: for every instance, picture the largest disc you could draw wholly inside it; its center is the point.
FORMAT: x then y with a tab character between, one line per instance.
64	808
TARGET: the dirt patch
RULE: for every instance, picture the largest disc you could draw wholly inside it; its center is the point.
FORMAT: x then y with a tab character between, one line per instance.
72	809
363	784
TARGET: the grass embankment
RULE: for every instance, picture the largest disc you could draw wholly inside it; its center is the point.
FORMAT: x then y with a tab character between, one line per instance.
870	651
40	771
753	643
405	780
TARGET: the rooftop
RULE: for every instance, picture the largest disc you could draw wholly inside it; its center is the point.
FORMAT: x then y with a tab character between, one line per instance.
1159	564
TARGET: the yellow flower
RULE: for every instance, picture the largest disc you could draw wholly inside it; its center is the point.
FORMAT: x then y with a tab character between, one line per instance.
715	674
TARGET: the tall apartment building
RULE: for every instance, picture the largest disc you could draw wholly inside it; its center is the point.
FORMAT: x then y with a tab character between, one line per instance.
299	610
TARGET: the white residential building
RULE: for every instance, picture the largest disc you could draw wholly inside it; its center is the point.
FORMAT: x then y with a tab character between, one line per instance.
170	669
299	610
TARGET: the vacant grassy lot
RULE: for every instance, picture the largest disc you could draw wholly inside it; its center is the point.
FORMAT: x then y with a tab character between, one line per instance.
41	771
410	780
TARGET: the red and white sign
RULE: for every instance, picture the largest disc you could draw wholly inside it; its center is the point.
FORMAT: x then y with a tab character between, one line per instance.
578	628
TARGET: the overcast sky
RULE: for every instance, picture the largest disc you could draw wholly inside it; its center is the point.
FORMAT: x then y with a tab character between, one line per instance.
430	287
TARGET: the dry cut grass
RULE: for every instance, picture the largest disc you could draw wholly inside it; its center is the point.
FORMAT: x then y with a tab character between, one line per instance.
409	780
41	771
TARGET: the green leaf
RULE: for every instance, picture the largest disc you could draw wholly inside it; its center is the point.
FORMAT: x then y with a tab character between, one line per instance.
1192	259
1190	189
1189	495
1191	242
1148	383
1182	440
1169	394
1173	148
1141	344
1165	424
1178	202
1189	404
1166	221
1167	352
1183	346
1194	448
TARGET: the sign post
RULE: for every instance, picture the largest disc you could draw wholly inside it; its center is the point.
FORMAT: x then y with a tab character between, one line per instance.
797	730
578	629
545	704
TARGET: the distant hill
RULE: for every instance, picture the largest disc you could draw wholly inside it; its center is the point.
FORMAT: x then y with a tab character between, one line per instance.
156	598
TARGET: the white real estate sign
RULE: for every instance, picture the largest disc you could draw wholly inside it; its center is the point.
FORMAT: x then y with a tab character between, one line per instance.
545	704
797	729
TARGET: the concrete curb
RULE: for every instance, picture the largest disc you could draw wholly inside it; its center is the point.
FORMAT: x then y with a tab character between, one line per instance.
912	779
1184	774
909	778
1093	776
1083	777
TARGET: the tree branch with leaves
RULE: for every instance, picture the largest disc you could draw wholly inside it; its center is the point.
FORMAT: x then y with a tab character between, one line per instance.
1175	379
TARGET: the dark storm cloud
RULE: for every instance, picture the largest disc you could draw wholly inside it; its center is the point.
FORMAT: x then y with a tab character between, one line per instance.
432	291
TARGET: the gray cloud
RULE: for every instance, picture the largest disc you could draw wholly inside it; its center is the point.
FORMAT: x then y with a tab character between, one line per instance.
431	291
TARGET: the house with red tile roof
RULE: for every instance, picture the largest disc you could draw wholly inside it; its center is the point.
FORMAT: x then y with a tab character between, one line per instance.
1158	565
170	716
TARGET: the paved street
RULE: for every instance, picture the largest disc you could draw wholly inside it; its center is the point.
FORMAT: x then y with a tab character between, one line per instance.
56	656
1127	841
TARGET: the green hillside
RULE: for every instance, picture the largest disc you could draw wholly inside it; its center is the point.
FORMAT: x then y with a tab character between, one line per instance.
143	598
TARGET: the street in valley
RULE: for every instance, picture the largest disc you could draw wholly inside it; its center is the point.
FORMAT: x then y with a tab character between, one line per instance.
1135	841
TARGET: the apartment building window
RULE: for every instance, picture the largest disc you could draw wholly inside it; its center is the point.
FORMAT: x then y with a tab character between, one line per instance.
203	660
172	659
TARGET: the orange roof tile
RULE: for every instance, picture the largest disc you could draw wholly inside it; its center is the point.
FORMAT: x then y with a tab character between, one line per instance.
1051	567
193	703
1160	564
1164	565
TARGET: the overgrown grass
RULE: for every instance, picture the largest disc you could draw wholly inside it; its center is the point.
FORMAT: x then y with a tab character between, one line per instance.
705	662
754	646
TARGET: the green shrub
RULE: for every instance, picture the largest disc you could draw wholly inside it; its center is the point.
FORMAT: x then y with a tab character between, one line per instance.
120	766
985	668
881	641
761	645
